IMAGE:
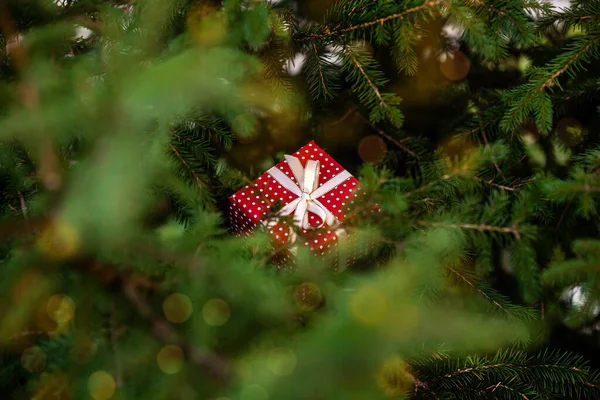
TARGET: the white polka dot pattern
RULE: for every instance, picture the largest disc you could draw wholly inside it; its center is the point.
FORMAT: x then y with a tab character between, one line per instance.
249	205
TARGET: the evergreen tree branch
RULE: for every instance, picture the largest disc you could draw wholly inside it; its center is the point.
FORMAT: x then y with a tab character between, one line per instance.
486	294
503	386
324	88
479	227
366	76
531	97
332	31
190	169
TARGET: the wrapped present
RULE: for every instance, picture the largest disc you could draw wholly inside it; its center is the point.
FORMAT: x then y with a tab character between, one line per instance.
305	196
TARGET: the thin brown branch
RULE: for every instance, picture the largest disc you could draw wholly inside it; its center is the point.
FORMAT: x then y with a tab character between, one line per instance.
23	205
500	385
366	76
478	290
479	227
491	183
476	369
323	85
344	117
196	177
388	137
550	81
327	31
502	13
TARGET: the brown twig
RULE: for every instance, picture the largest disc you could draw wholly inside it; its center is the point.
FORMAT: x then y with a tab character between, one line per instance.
23	204
371	84
479	227
481	292
550	81
478	368
344	117
325	91
380	21
499	384
196	177
388	137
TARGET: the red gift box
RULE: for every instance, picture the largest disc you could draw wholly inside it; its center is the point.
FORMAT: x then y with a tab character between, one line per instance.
310	188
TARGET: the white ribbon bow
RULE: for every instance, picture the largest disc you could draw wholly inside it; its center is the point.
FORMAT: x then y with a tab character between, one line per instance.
308	191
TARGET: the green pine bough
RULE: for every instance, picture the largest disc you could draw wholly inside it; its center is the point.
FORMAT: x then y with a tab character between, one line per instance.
124	127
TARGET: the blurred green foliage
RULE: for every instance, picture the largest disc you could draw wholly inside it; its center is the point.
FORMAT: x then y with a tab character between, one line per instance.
120	142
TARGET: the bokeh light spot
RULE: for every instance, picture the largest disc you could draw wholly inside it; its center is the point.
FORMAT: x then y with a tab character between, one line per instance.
368	306
61	308
33	359
457	151
569	131
101	385
372	149
282	361
308	296
206	25
177	307
170	359
254	392
394	379
59	240
216	312
455	66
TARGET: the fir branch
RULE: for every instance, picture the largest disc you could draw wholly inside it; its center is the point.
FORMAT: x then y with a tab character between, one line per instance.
501	385
366	76
531	97
479	227
486	294
321	75
380	21
190	169
328	31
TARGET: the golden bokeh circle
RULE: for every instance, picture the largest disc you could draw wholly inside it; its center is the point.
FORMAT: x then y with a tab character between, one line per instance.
216	312
59	241
61	308
372	149
308	296
282	361
177	307
455	66
569	131
394	378
368	306
101	385
170	359
33	359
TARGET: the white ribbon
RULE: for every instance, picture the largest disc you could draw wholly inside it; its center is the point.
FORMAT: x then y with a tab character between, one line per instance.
308	191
